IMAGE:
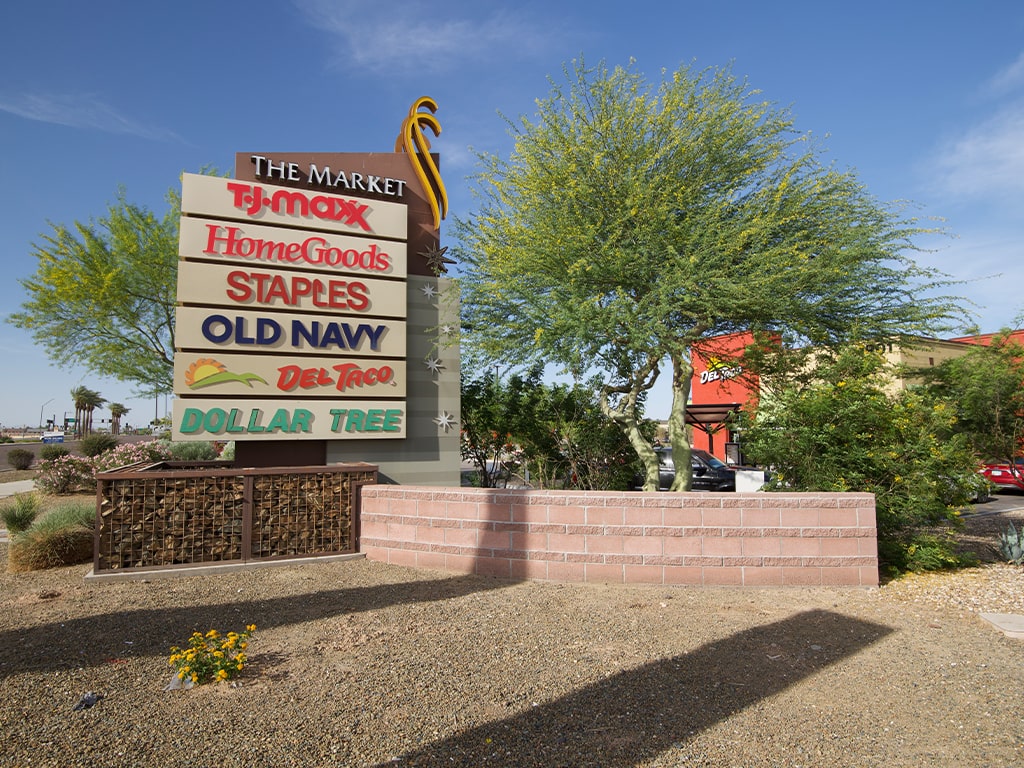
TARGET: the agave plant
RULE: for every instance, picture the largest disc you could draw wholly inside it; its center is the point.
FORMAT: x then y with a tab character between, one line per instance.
1011	545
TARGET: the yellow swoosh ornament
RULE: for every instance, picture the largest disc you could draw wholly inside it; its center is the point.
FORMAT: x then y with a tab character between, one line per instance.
412	141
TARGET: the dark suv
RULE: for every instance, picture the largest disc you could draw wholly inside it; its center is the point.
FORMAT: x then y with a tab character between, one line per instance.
709	473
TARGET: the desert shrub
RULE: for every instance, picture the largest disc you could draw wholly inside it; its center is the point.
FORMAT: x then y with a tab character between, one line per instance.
193	451
21	458
94	445
6	439
132	453
52	452
227	453
66	474
63	537
20	512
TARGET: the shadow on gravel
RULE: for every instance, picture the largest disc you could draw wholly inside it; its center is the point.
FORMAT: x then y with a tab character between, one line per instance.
98	639
637	714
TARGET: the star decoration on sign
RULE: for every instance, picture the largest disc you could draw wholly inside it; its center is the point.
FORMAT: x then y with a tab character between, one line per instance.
434	364
436	260
447	330
445	421
429	291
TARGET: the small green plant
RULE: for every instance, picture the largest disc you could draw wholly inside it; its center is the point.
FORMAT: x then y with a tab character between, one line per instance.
63	537
193	451
1011	545
48	452
21	458
211	657
98	443
19	514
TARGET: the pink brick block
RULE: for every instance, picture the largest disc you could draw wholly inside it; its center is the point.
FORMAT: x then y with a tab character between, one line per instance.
761	518
460	563
429	535
567	572
717	518
598	573
460	538
494	540
675	574
683	517
428	508
688	545
569	515
644	574
840	577
402	557
723	576
794	546
761	546
840	547
869	575
375	553
434	560
498	513
566	542
372	529
803	577
528	570
462	510
604	544
605	516
644	516
402	532
839	518
642	545
722	547
799	518
494	566
762	577
530	542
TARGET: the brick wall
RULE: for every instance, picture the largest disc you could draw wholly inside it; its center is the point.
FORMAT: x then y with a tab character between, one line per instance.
738	539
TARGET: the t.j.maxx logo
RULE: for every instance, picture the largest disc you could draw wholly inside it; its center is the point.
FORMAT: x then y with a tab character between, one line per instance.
252	199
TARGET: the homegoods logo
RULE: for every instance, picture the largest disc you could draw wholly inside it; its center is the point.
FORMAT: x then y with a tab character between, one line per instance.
253	199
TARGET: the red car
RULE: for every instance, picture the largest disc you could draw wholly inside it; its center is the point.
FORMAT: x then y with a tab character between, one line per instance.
1003	475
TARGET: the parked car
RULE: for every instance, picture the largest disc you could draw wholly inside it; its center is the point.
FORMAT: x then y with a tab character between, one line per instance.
1004	475
709	473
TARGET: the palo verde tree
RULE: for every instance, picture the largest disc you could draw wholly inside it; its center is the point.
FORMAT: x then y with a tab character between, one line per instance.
630	222
103	295
985	388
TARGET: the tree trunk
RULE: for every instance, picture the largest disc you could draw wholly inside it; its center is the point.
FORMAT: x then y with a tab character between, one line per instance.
626	417
682	374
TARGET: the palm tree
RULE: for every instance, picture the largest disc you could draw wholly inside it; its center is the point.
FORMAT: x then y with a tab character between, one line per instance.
93	400
78	395
117	410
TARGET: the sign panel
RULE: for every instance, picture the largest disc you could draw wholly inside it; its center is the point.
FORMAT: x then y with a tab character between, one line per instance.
247	201
245	287
215	419
197	373
273	246
205	328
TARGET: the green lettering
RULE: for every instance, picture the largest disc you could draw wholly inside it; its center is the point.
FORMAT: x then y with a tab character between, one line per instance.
393	420
354	422
301	420
374	420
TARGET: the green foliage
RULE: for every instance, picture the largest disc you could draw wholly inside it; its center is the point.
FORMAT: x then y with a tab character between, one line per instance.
6	439
212	657
1011	545
985	387
66	474
48	452
95	444
125	454
20	512
103	294
193	451
63	537
840	430
554	434
20	458
631	222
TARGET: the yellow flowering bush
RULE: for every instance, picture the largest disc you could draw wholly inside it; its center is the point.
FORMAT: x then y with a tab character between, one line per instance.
211	657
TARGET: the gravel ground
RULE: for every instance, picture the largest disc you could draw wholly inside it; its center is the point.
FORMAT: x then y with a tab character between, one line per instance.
363	664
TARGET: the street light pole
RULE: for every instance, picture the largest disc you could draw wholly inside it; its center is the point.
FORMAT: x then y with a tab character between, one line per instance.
41	411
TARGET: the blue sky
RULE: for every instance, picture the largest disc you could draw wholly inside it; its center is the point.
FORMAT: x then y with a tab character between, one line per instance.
925	100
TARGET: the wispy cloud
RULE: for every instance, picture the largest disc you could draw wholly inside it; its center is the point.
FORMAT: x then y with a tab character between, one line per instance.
411	36
1009	79
80	111
985	161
